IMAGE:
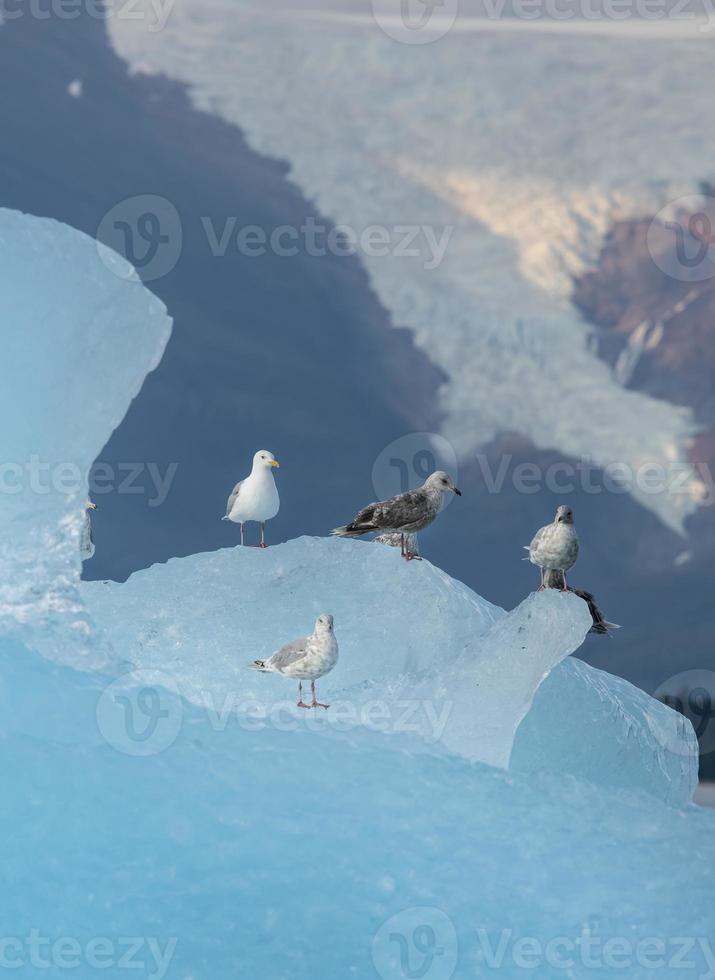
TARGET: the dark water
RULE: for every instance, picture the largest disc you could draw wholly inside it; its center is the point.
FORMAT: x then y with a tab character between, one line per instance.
291	354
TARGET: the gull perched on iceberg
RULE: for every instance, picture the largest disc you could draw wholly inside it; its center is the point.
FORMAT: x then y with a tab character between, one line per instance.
403	514
306	659
86	541
555	546
256	497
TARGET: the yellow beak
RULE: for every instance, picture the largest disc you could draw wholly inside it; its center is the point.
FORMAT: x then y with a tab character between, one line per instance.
274	462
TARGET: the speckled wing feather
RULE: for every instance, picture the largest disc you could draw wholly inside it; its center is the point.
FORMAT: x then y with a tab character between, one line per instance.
402	511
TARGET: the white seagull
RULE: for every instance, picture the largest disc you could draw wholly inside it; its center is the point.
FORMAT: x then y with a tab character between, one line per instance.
256	497
555	546
86	541
306	659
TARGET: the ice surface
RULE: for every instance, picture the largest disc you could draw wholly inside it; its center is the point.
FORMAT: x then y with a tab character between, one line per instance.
79	334
274	854
599	727
507	138
422	658
147	827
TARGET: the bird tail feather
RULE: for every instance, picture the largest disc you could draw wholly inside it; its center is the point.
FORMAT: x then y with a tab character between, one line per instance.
258	665
352	531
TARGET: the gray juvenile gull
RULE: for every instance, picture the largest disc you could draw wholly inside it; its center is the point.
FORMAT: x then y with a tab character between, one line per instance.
256	497
86	541
404	514
554	579
555	546
306	659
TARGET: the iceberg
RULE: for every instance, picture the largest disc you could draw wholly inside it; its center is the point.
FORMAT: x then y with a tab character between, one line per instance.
472	802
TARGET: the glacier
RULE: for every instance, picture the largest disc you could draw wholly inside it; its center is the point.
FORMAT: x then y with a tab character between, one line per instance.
507	139
472	800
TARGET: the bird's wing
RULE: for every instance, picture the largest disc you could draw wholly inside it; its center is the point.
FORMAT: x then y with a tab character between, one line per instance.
402	510
234	494
538	537
289	654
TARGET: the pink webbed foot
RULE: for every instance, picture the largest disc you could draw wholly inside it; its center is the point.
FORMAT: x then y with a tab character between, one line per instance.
317	704
302	704
411	556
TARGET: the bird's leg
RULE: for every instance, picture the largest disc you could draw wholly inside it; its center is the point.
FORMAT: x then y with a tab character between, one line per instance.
263	535
564	587
541	574
301	702
316	703
405	551
241	533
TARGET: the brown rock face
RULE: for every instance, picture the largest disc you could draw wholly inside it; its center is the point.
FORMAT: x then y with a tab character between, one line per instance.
652	298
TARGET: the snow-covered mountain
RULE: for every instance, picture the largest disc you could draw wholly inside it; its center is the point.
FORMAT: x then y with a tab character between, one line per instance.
528	148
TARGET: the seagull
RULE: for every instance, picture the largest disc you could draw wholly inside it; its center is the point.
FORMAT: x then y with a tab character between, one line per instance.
86	541
555	546
404	514
306	659
554	579
256	497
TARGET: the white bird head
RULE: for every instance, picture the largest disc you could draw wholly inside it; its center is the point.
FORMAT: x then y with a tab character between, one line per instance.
564	515
89	505
324	623
439	480
264	459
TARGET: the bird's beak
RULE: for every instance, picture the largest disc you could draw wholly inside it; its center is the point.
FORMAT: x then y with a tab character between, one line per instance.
274	462
458	492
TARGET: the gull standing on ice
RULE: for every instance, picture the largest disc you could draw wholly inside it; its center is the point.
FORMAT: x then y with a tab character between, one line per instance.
86	541
555	546
404	514
554	579
256	497
306	659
